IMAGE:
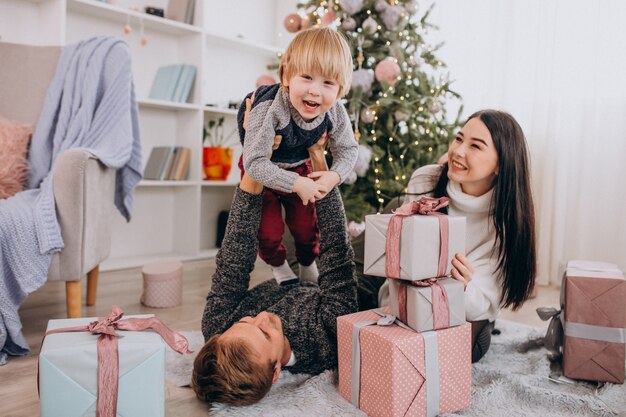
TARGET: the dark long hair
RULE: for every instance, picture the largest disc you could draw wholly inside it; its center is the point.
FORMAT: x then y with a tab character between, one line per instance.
512	208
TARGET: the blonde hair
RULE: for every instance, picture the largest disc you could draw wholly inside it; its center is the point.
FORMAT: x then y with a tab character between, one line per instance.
320	49
228	371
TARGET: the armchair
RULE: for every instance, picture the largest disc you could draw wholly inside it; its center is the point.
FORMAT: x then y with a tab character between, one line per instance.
84	188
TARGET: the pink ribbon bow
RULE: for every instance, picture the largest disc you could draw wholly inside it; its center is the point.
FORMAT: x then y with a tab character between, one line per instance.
424	206
108	361
441	309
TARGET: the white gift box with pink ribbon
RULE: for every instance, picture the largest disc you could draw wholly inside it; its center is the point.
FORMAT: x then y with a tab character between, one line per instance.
389	370
433	305
105	366
419	241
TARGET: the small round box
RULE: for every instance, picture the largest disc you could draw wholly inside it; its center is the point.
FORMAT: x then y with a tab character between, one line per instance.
162	284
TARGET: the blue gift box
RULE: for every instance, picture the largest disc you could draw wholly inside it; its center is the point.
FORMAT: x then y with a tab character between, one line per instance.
68	372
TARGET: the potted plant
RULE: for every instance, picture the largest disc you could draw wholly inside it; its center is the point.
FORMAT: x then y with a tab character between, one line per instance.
217	152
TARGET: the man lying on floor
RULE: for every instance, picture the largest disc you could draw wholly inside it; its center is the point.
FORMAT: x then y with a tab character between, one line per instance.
251	334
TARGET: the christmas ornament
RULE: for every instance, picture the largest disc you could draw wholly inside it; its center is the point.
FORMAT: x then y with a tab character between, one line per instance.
362	79
434	106
369	25
363	159
329	17
411	6
348	24
401	115
265	79
351	6
403	128
394	17
306	23
367	115
127	28
381	5
387	71
293	22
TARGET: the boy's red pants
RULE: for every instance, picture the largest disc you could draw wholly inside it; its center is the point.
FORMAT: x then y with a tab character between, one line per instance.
300	219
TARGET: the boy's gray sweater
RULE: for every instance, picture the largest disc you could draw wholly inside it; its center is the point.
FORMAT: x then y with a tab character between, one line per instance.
308	313
273	114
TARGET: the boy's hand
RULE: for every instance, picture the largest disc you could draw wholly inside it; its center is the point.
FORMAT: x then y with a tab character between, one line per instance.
308	190
326	178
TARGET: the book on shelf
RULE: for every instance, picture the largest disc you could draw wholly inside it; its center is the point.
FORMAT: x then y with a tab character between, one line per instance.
165	81
173	82
168	163
181	10
185	84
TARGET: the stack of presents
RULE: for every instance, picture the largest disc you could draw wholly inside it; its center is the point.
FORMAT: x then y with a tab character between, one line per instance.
412	358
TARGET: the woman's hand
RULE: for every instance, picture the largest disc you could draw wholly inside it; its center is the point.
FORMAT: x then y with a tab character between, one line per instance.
249	101
462	269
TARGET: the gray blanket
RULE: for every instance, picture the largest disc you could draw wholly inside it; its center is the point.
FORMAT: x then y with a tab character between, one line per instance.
504	383
91	105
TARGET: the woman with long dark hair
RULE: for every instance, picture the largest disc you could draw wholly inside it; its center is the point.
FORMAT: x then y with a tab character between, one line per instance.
486	177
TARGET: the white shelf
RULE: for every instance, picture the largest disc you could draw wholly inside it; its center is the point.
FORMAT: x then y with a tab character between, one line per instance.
117	14
220	110
167	105
266	49
170	219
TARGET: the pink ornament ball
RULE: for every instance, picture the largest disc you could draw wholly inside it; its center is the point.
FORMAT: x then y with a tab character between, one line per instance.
293	22
387	71
265	79
329	17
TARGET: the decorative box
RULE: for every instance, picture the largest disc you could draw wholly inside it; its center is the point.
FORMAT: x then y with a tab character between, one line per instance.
419	245
387	370
415	305
594	323
68	372
162	284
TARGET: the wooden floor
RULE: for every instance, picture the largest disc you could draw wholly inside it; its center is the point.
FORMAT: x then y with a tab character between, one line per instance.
18	379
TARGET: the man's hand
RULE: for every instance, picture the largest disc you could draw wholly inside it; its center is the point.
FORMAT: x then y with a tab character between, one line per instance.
249	102
316	152
308	190
328	179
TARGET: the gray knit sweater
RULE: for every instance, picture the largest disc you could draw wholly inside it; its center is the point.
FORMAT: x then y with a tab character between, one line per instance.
273	114
308	313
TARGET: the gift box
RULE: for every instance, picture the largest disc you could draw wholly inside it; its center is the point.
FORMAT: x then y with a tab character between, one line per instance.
428	305
594	322
389	370
421	247
69	364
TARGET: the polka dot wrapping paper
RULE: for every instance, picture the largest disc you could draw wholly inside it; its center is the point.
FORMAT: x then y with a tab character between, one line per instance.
393	376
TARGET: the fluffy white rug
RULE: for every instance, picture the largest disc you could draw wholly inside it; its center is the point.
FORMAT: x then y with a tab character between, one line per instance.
505	383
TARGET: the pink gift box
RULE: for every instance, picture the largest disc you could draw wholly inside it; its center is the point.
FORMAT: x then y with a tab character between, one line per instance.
594	296
402	372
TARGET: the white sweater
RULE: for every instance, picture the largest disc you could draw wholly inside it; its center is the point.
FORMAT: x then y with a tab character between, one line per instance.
482	295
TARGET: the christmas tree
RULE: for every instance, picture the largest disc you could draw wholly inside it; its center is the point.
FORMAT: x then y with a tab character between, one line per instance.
398	96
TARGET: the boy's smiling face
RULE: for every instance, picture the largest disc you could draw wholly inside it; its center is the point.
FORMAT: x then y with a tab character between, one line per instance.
312	94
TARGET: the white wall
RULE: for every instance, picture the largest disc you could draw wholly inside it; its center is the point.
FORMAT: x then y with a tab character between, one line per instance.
559	67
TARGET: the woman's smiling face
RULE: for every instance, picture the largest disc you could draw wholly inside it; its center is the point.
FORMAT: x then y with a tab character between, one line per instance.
473	159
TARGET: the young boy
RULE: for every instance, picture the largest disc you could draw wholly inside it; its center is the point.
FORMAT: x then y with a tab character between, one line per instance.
315	71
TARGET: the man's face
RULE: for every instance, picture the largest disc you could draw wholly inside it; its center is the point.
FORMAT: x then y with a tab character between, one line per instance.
264	333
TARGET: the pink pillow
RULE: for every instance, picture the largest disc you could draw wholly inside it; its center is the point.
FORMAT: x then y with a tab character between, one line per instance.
14	140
